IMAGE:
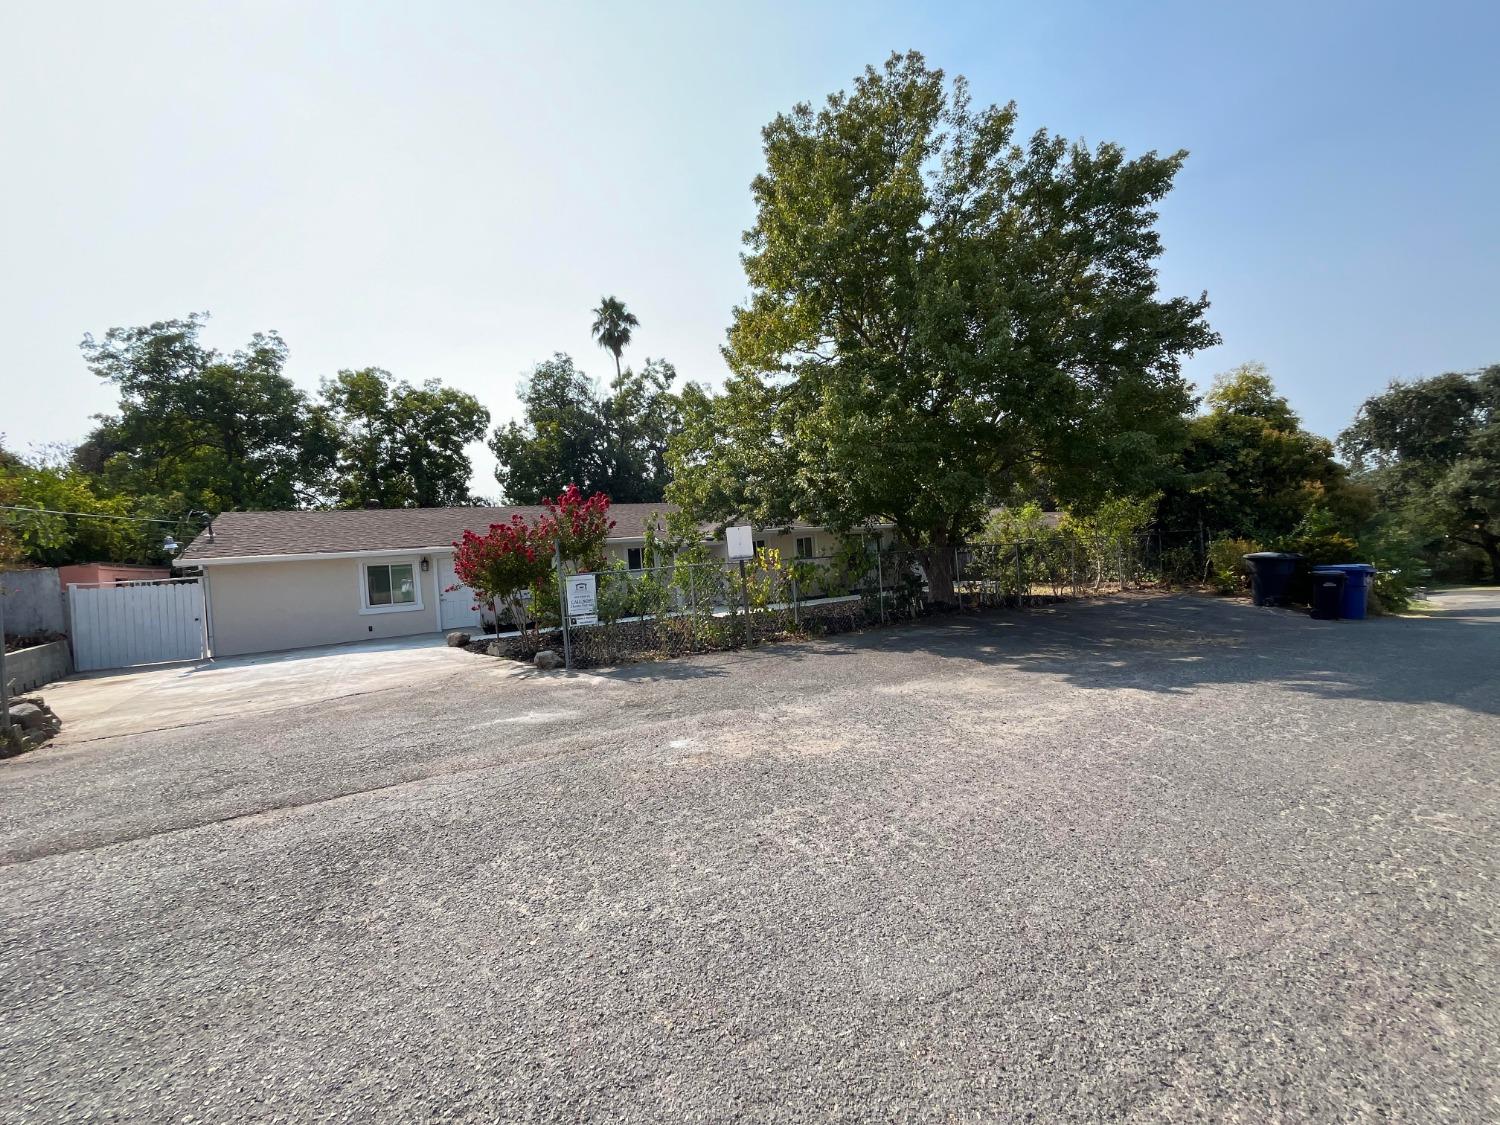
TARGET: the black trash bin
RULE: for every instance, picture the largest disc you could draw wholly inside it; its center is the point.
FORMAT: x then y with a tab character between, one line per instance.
1271	575
1328	592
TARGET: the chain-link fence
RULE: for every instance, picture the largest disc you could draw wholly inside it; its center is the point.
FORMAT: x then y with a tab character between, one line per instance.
691	603
1022	571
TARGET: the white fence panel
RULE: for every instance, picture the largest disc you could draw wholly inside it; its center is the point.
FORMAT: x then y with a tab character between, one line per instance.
139	623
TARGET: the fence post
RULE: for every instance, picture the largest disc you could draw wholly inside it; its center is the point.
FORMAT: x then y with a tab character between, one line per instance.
745	601
958	578
693	603
796	613
562	604
1020	575
4	683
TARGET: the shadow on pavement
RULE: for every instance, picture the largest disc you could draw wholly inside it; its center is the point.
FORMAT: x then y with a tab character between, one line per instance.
1177	643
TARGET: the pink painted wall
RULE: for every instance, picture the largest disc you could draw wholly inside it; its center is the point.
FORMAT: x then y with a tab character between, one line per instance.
109	572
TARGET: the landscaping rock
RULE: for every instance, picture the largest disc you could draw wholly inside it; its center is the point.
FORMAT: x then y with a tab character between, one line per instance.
32	723
458	640
497	648
28	716
547	660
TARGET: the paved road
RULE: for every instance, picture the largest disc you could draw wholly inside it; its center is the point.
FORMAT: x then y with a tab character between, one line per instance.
1162	859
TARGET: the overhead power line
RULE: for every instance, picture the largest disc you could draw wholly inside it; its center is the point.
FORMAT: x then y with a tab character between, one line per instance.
92	515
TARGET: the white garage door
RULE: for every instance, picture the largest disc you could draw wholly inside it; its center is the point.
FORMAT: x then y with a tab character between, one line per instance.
139	623
456	609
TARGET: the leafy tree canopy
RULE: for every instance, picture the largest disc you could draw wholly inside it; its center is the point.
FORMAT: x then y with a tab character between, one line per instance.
399	445
48	482
571	434
1431	450
1249	469
207	430
940	315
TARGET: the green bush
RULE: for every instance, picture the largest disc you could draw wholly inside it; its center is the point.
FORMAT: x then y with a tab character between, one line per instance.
1227	572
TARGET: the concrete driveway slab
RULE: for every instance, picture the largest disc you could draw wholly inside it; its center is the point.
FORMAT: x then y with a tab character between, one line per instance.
132	702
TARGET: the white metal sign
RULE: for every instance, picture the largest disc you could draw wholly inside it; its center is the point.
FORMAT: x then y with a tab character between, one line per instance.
740	541
583	600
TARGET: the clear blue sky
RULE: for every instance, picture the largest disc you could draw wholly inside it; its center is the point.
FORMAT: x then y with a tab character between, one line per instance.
446	189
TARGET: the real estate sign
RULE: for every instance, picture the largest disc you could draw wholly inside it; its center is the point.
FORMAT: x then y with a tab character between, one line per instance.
583	600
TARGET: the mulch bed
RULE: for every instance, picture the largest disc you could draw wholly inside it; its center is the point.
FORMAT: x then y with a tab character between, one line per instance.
630	642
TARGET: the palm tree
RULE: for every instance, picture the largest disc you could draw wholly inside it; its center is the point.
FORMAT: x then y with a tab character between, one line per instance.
612	325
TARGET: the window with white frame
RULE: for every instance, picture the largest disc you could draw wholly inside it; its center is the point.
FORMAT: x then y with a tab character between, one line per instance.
390	586
804	546
635	558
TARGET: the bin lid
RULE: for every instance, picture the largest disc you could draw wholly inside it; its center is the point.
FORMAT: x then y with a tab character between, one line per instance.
1272	555
1328	570
1366	567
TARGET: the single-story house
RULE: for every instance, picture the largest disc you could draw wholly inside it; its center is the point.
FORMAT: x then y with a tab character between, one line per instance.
297	579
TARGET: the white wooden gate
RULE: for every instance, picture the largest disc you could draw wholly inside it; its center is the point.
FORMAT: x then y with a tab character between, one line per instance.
117	626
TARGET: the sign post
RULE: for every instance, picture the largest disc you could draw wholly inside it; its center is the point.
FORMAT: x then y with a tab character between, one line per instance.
562	604
4	685
740	545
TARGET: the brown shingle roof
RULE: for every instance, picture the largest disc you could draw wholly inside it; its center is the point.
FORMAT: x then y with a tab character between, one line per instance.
252	534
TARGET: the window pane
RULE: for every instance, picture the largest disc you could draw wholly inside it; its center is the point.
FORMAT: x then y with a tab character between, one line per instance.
403	585
378	584
633	558
805	547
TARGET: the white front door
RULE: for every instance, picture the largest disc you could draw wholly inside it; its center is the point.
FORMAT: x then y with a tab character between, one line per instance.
456	610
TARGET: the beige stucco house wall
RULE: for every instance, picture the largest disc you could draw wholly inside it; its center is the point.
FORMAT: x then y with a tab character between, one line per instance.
263	607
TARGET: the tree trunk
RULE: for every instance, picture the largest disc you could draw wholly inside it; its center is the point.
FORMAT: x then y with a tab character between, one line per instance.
1492	548
937	562
1490	545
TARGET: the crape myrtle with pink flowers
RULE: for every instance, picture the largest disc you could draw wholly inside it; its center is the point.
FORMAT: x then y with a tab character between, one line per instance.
512	558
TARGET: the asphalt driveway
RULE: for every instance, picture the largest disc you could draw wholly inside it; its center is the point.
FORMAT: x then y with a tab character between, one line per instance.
1167	858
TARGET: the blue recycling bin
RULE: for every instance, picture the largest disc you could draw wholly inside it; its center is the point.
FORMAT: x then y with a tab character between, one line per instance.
1271	575
1358	578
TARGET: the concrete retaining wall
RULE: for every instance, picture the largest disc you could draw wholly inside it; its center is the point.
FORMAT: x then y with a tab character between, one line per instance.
28	668
33	602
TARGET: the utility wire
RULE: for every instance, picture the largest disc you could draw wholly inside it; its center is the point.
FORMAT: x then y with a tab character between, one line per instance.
94	515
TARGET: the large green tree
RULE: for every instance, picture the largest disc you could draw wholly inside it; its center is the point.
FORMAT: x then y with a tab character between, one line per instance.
940	315
559	439
201	429
641	415
1431	449
1249	470
570	433
99	532
399	445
